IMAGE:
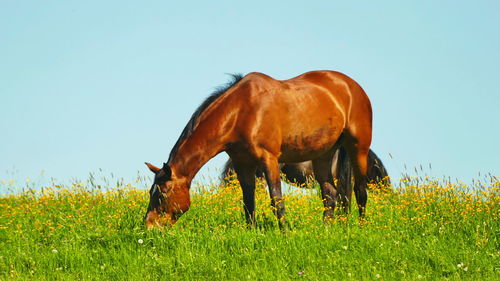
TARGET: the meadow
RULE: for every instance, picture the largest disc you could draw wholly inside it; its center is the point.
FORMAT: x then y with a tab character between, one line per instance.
425	229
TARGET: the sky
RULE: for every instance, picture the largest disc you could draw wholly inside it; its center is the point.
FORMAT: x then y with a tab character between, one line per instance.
90	86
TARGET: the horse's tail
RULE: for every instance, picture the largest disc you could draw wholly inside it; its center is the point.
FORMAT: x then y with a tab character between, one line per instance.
377	173
297	173
227	171
344	169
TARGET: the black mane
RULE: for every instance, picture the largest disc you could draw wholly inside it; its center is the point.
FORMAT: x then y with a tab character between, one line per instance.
235	78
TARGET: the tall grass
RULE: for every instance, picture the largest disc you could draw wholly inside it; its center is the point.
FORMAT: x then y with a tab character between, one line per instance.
426	230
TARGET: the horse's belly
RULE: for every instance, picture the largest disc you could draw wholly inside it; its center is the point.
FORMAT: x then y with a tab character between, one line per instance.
300	147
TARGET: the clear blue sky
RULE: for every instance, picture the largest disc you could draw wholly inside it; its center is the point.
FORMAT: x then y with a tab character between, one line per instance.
110	84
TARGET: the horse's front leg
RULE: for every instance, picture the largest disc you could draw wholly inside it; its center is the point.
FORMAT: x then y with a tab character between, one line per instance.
246	177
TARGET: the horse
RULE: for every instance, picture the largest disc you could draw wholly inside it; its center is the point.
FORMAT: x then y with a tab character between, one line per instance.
260	122
299	174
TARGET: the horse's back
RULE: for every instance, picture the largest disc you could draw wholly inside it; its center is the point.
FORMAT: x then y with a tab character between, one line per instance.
299	118
308	94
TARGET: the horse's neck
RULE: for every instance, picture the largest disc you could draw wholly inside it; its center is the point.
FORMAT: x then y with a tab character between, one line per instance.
197	149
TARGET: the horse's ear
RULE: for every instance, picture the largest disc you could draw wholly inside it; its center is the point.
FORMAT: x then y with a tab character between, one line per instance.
166	169
152	167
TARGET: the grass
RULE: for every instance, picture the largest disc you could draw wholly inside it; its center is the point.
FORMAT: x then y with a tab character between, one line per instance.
428	230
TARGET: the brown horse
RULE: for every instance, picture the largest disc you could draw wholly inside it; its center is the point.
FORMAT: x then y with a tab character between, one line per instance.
260	122
299	174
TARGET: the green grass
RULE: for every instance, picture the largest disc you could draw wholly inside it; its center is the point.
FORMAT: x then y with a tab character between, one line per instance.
428	232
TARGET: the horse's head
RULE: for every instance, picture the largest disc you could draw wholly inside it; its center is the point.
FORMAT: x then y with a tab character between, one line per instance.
168	197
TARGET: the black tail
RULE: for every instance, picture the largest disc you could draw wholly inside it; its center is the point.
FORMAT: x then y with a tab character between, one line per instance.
376	172
344	169
227	171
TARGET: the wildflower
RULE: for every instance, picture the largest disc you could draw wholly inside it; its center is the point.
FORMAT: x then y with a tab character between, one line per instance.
460	265
441	229
54	251
344	247
140	241
377	276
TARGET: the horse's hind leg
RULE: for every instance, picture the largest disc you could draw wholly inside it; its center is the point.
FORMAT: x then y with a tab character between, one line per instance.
357	149
322	167
272	172
343	173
